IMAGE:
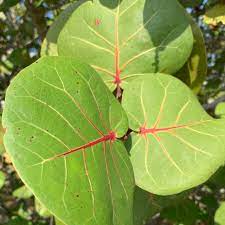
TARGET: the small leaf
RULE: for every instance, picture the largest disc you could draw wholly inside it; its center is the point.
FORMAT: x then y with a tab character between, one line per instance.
2	179
220	110
22	192
215	15
62	129
176	145
220	215
124	39
194	71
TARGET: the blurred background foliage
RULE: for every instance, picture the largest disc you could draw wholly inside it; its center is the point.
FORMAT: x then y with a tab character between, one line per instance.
23	27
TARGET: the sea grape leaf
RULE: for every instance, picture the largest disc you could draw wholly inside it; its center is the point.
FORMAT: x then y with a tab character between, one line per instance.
2	179
194	71
220	215
49	45
220	110
61	133
215	15
123	39
176	145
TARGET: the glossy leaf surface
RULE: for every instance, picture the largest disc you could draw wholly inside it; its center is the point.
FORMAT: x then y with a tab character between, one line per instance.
123	39
62	128
176	144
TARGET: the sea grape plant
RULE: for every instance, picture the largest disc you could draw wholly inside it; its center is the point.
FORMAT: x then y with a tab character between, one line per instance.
98	114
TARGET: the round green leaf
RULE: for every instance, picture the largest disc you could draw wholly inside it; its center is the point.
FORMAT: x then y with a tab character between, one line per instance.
123	39
194	71
62	128
2	179
176	144
220	215
49	45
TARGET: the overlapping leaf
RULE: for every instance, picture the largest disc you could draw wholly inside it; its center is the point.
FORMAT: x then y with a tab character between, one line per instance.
176	144
52	107
123	39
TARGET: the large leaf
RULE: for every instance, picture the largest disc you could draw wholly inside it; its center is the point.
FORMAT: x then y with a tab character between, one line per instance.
176	145
49	45
194	71
62	128
123	39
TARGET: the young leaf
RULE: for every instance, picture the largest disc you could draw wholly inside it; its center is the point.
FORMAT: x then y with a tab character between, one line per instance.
62	127
124	38
176	145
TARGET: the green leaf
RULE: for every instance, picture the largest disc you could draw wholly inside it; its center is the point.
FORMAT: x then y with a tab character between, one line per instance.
123	41
54	110
49	45
215	15
176	144
220	215
194	71
2	179
22	192
220	109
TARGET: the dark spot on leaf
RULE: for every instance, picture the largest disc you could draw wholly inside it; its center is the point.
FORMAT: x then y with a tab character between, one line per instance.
77	195
78	82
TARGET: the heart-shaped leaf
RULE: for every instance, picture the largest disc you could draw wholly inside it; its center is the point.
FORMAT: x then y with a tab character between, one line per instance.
125	38
62	128
176	145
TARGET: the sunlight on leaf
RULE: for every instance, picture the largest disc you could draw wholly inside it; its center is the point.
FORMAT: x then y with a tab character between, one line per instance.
176	144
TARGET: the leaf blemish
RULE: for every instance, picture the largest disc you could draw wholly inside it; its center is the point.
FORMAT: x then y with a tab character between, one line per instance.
97	22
